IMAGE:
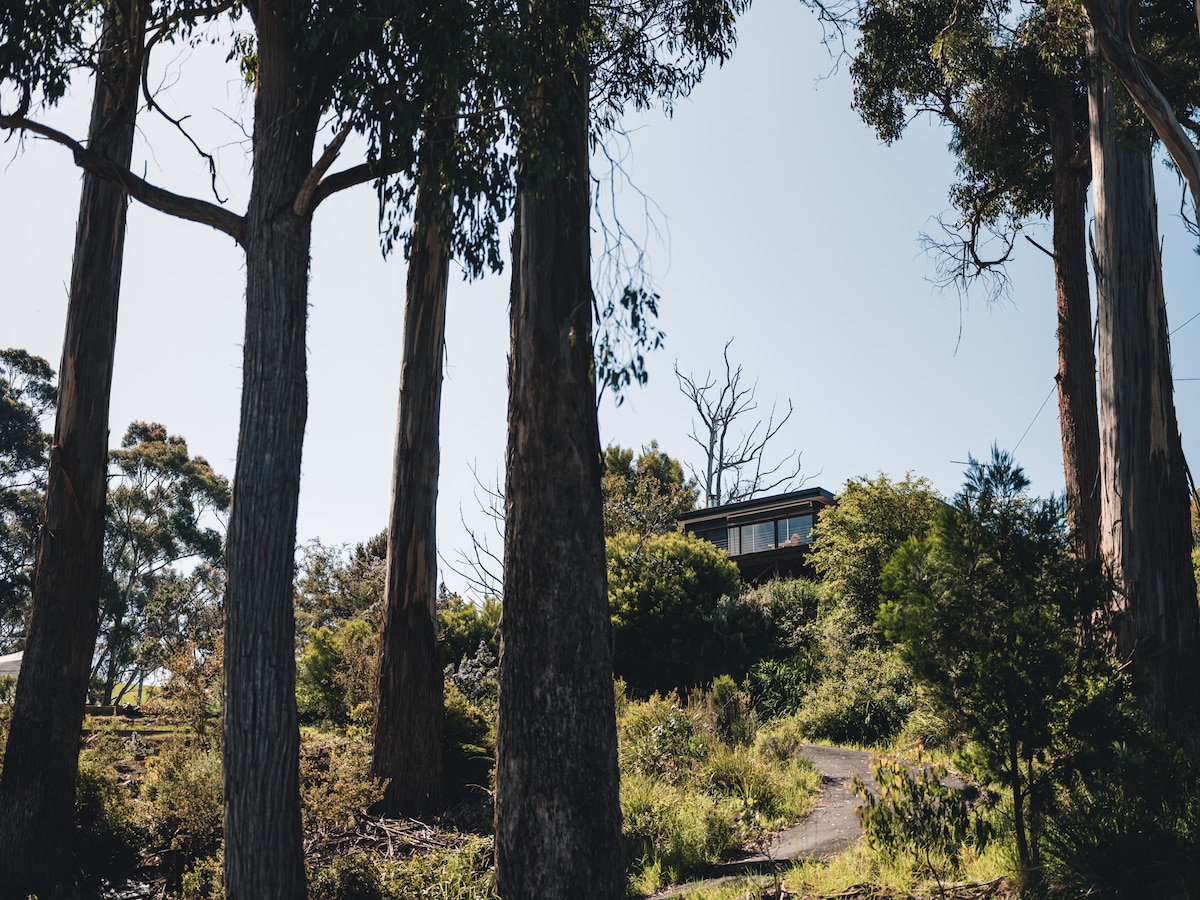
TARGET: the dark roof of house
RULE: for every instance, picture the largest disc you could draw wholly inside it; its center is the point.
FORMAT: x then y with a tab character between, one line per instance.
760	506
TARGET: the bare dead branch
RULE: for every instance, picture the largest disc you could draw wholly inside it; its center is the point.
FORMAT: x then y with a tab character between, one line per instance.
735	459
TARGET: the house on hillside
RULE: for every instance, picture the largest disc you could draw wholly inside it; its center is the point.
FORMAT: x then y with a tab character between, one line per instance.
768	536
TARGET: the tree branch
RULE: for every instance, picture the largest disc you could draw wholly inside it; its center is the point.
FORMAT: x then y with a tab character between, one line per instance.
181	207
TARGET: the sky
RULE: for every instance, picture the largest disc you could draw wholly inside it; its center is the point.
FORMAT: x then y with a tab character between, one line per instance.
770	215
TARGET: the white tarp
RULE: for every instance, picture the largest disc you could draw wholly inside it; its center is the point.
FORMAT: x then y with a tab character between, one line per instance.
11	664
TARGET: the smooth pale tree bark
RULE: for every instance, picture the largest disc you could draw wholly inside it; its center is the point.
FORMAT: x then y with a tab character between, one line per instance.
408	679
1077	410
37	790
1145	523
558	818
1115	32
264	857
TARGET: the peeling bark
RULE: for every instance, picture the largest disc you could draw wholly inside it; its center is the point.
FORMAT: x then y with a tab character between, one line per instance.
1145	518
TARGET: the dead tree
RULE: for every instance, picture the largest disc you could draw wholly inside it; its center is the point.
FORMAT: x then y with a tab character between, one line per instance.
735	458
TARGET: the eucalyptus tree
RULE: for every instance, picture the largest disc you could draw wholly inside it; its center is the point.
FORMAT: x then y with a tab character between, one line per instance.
26	397
557	813
1012	88
306	60
463	189
1145	529
165	506
37	788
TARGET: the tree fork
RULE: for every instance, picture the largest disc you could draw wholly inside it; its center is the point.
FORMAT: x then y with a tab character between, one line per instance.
37	789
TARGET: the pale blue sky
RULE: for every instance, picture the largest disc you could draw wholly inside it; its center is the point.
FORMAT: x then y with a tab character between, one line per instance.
786	226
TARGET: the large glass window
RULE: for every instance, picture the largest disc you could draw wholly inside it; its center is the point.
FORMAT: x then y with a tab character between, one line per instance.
717	536
758	537
735	541
795	531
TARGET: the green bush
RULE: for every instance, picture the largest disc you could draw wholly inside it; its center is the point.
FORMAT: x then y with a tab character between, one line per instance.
662	739
205	879
676	615
913	814
778	685
470	743
107	836
863	699
1125	818
732	711
336	784
335	673
736	773
463	625
354	877
181	807
781	741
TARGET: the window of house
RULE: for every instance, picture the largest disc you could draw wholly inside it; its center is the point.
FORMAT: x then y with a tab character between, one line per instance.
717	536
758	537
796	530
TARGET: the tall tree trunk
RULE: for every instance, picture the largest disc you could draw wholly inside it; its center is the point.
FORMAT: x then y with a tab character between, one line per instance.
264	857
558	819
37	790
1077	411
408	679
1145	528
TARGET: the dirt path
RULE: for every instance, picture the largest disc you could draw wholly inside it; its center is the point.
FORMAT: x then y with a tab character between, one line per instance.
829	828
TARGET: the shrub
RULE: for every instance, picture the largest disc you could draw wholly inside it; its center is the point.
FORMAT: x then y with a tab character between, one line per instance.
735	772
107	836
335	673
913	813
1126	816
732	712
781	741
192	695
778	685
354	877
336	785
661	739
865	699
477	677
181	807
470	742
674	624
205	879
463	625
